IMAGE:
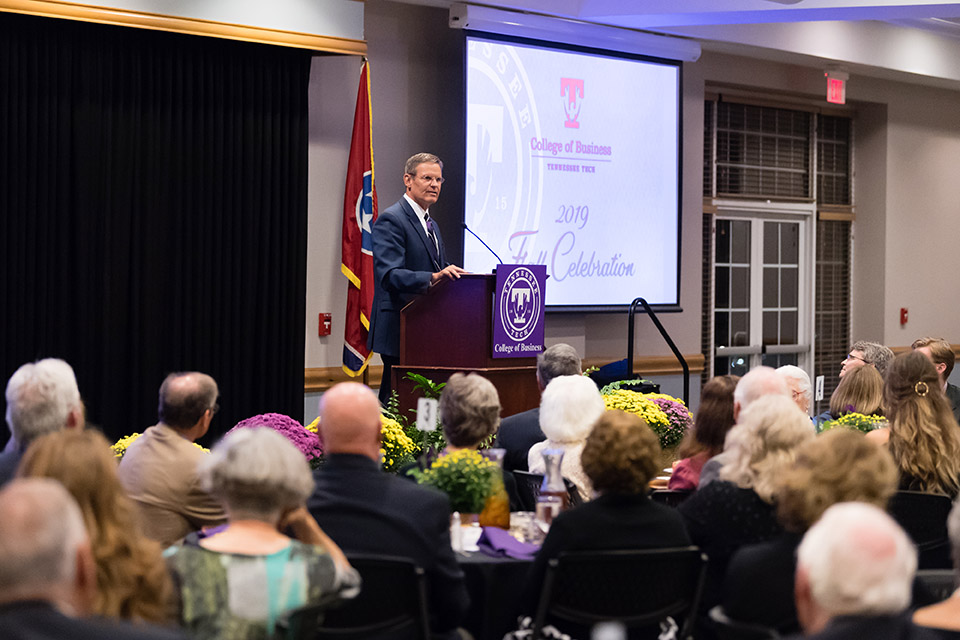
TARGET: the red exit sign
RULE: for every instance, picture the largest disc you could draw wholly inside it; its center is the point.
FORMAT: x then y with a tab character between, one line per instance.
836	87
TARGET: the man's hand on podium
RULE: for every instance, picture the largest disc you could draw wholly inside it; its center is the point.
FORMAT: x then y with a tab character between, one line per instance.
451	271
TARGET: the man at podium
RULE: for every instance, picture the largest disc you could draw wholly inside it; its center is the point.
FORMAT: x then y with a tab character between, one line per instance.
408	257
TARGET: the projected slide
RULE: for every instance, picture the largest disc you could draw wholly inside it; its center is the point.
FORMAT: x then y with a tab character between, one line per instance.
572	162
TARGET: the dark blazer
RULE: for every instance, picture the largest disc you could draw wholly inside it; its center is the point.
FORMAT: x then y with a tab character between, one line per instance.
517	434
953	396
365	510
38	620
402	267
9	461
721	517
758	587
898	627
606	522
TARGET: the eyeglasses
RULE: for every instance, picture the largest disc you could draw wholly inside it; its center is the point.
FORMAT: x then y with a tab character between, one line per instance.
429	180
850	356
214	408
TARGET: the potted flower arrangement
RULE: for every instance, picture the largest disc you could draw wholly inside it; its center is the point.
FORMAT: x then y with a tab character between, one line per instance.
667	416
466	477
856	421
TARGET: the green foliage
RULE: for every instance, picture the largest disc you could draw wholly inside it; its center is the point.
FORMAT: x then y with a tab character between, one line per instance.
465	476
614	386
427	387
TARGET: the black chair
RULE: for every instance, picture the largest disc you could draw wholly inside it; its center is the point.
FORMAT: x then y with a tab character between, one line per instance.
924	517
528	490
392	603
638	588
727	628
939	583
670	497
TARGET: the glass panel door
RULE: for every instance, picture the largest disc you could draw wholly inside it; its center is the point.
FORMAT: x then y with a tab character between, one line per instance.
761	293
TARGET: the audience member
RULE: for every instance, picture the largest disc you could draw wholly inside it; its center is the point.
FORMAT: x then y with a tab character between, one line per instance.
470	414
860	391
738	508
755	384
159	470
367	511
47	574
864	353
923	435
798	384
705	439
132	580
945	616
620	457
855	569
238	581
941	354
42	397
838	466
521	431
568	410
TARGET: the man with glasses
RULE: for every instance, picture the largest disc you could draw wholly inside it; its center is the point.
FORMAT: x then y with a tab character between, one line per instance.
408	258
159	470
866	353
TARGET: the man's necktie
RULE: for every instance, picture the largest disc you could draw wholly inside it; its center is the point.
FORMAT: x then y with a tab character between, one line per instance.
433	239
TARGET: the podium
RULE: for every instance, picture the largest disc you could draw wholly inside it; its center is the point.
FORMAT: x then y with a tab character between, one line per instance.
450	329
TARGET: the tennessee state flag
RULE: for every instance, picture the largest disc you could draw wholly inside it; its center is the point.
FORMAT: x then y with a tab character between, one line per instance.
359	212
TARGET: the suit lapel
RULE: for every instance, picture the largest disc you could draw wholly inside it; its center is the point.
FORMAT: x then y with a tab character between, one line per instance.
414	221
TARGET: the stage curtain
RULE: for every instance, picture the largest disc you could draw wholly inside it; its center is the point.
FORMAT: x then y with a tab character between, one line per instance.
153	214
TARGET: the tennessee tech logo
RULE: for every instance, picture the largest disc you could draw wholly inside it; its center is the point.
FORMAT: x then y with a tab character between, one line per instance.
520	304
572	89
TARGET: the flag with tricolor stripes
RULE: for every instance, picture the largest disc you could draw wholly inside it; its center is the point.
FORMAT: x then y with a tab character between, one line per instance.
359	212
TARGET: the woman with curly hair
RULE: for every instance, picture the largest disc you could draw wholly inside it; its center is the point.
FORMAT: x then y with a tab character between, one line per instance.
840	465
738	509
132	579
705	440
621	455
924	437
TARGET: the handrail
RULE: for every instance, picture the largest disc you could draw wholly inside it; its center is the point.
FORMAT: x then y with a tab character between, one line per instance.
666	337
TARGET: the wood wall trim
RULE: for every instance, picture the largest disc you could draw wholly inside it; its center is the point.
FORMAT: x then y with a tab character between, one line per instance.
319	379
190	26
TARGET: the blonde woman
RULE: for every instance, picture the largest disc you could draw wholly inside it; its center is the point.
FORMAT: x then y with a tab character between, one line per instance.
132	579
924	437
738	508
860	391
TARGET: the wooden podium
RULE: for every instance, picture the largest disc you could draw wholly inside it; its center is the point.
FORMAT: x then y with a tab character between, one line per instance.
450	329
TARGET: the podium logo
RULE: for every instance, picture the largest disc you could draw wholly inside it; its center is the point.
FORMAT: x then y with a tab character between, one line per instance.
573	90
520	304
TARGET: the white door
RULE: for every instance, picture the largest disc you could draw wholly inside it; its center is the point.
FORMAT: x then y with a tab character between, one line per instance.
763	289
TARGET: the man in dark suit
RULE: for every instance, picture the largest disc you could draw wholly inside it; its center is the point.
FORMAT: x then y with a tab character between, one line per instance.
48	578
365	510
408	257
521	431
855	570
941	354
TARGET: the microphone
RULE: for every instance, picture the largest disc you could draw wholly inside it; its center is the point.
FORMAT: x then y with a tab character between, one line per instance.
470	231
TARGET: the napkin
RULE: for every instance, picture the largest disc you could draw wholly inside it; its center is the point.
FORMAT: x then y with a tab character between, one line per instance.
499	543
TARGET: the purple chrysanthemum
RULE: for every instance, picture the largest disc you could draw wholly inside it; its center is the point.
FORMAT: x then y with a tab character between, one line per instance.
306	441
678	415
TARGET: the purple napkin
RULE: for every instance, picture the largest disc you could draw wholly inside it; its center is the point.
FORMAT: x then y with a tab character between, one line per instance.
499	543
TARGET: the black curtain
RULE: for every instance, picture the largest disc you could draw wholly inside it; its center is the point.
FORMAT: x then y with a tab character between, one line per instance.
153	214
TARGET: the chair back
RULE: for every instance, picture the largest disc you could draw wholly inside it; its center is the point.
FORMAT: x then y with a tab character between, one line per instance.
730	629
638	588
670	497
924	517
528	490
392	603
939	583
